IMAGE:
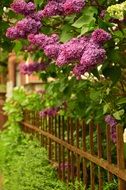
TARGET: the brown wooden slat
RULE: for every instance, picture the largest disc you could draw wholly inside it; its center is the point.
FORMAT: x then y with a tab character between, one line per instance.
50	140
77	133
59	145
72	154
78	167
46	129
68	150
108	146
56	136
41	124
77	145
92	175
120	155
63	161
38	125
63	149
85	175
99	142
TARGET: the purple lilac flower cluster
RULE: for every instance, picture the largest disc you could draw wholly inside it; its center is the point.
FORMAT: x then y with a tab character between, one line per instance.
93	54
87	50
99	36
72	50
23	28
41	92
73	6
42	40
29	25
65	166
32	67
52	8
62	7
50	45
23	7
49	112
110	120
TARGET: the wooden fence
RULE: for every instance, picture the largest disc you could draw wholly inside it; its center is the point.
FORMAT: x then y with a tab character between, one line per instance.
80	151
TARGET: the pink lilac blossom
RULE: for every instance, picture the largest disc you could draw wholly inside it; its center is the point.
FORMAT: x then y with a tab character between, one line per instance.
42	40
32	67
110	120
113	134
41	92
102	14
92	56
73	6
79	70
23	7
52	8
58	1
94	53
100	36
72	50
37	40
62	7
88	51
23	28
37	15
65	165
49	112
52	50
28	25
12	33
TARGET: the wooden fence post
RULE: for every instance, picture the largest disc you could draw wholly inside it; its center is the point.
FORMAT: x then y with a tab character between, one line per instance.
120	155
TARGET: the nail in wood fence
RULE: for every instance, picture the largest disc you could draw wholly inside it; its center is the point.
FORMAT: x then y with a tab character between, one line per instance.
80	151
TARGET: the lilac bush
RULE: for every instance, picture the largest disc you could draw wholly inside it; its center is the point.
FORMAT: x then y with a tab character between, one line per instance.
75	38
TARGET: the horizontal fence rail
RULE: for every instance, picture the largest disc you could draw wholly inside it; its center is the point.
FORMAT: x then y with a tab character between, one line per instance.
80	151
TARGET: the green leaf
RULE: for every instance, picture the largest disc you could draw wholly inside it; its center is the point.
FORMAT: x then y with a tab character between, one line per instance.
106	108
117	115
95	73
87	19
66	34
103	24
17	47
79	23
39	2
90	10
114	73
121	101
95	95
70	18
1	11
